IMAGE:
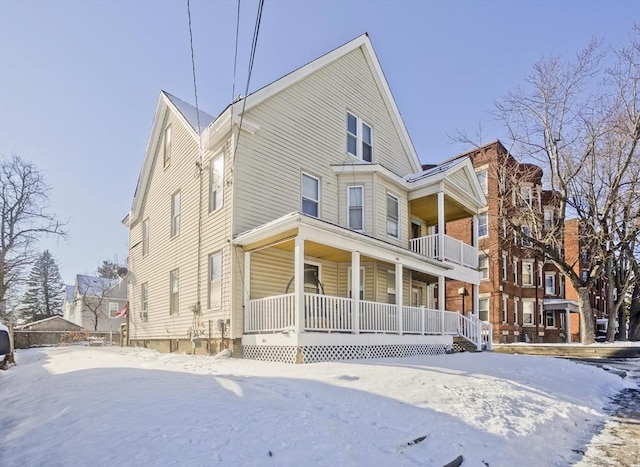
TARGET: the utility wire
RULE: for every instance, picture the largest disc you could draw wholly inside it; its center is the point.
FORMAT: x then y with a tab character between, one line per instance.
193	69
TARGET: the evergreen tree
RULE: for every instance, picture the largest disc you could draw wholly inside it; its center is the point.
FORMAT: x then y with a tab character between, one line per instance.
109	268
45	290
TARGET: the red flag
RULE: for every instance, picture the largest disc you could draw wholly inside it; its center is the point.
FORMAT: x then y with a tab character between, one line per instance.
123	312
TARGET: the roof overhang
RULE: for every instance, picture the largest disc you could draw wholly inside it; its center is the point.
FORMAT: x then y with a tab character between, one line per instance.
555	304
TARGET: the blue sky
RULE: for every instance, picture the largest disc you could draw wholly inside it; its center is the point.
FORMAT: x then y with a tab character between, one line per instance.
79	81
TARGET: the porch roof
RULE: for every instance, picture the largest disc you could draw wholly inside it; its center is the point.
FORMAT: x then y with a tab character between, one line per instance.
293	224
558	304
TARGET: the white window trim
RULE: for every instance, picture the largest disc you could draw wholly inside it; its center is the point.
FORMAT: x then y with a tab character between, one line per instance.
481	298
349	188
303	197
175	216
312	263
505	309
515	271
144	301
486	257
113	310
553	314
359	136
548	223
484	214
531	273
533	312
218	188
173	311
485	186
210	282
391	272
505	266
516	305
166	146
397	220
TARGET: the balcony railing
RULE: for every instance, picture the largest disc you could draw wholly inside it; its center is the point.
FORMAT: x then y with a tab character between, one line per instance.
335	314
454	251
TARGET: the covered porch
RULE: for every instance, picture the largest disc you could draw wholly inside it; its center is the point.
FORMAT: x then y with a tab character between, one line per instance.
321	290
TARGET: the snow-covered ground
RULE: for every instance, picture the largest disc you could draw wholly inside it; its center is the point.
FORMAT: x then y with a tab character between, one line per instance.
79	406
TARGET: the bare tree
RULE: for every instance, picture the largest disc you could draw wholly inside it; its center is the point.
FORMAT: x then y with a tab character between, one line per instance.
581	124
24	203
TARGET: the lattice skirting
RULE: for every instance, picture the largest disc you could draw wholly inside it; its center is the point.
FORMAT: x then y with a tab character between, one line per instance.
312	354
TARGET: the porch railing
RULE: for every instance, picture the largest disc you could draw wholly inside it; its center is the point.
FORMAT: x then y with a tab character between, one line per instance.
455	251
335	314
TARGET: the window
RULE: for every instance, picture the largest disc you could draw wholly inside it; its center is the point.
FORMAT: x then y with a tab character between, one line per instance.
483	180
174	292
505	304
356	207
392	216
548	218
175	214
504	228
550	320
585	276
540	314
505	263
362	282
216	176
144	301
310	195
391	286
113	309
526	233
145	237
483	309
516	305
359	138
515	271
166	148
526	194
527	312
483	225
483	266
312	278
215	280
550	284
527	273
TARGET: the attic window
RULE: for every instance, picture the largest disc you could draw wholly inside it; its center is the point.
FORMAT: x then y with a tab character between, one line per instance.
359	138
167	146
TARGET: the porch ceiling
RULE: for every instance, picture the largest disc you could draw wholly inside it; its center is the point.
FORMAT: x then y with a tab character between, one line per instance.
427	209
320	251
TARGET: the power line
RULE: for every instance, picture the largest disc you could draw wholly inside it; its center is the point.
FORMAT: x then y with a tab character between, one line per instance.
193	68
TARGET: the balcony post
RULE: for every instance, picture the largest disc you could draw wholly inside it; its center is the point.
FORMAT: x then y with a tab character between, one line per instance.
441	304
399	295
441	225
567	325
298	267
474	235
247	284
355	291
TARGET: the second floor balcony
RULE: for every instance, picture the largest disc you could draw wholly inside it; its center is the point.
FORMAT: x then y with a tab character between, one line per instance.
445	248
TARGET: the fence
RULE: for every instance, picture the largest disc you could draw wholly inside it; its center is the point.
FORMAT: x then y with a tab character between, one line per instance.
27	339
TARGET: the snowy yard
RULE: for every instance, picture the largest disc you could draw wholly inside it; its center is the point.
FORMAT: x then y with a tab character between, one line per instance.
79	406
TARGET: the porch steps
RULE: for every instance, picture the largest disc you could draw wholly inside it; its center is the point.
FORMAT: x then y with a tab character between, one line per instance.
460	344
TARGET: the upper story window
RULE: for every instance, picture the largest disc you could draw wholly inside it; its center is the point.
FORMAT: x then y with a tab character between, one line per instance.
359	138
505	309
166	146
483	309
145	237
113	309
504	266
355	199
175	214
548	218
527	273
526	234
174	291
550	284
515	271
483	180
483	266
392	215
527	195
216	176
310	195
215	280
144	301
483	225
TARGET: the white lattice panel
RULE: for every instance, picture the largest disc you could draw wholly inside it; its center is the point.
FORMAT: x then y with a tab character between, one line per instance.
312	354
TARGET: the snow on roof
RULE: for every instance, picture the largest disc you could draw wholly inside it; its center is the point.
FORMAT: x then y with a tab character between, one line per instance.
433	171
90	285
50	318
190	113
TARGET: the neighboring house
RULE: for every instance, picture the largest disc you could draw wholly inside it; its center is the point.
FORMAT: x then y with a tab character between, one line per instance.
53	323
96	299
522	295
305	229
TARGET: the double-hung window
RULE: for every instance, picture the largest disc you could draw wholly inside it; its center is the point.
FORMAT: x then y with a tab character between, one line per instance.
483	225
548	218
550	284
215	280
527	312
359	138
515	271
145	237
166	147
527	196
505	263
310	195
550	319
392	215
527	273
483	180
216	176
175	214
505	308
113	309
391	286
356	207
526	234
483	266
174	291
483	309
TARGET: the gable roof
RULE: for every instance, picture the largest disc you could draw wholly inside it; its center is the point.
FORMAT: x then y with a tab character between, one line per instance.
45	320
91	285
190	113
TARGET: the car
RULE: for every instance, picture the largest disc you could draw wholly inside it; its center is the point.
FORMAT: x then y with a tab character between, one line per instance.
6	347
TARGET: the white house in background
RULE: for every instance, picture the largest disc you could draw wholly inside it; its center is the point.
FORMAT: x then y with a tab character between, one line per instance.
95	298
303	229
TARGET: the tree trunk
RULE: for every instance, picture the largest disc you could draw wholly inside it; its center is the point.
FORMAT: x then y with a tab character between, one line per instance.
634	314
614	310
587	328
623	316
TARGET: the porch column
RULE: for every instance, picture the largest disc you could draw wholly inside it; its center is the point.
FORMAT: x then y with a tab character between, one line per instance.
441	225
247	280
474	235
567	325
399	295
441	299
355	291
476	300
298	284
